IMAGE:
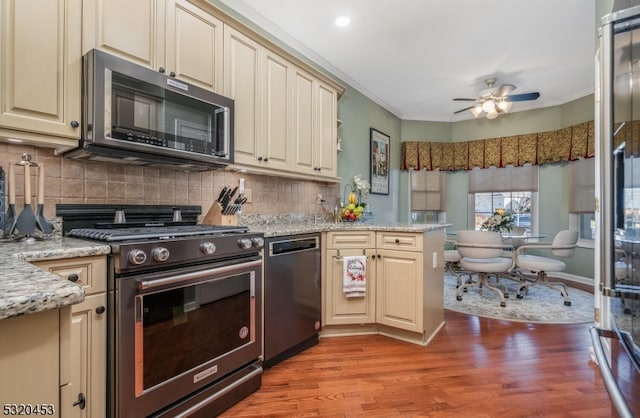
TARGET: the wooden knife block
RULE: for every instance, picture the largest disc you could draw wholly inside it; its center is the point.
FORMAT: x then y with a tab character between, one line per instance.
215	217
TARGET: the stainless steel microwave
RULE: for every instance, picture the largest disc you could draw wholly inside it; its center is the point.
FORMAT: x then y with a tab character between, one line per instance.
134	115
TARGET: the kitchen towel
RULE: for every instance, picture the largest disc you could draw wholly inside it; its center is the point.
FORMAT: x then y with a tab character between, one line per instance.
354	269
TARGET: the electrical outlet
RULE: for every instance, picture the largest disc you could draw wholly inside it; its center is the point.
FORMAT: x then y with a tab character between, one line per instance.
247	194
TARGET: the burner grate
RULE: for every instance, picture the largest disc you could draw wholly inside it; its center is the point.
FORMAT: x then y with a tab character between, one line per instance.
152	232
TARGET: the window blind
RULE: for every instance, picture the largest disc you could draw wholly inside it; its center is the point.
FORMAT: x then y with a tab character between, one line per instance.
582	186
428	190
507	179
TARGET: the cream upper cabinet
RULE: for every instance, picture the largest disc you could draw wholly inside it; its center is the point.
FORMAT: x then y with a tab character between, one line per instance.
84	359
314	126
172	36
194	45
277	111
40	71
258	81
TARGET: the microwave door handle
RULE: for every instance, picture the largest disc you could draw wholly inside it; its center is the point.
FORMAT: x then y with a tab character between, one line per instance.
226	129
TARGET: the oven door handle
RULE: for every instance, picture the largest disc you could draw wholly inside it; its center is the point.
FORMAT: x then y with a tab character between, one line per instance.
150	284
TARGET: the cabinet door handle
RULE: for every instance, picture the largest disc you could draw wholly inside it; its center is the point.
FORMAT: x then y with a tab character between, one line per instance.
379	256
100	310
259	158
397	241
161	70
265	159
81	402
73	277
74	124
373	257
172	74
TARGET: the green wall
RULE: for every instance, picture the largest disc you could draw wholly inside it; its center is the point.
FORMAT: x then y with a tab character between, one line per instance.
358	114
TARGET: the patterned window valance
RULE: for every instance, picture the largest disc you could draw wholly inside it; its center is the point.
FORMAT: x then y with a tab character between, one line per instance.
565	144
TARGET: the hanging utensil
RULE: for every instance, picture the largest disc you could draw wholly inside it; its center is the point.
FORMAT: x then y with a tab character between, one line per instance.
42	223
26	222
10	220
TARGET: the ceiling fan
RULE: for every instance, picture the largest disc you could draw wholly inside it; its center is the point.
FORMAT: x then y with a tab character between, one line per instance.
495	100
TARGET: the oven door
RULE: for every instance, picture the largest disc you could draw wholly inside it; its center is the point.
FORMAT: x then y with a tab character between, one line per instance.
180	331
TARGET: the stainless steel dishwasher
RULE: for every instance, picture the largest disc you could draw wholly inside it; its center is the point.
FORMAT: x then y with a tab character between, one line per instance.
291	295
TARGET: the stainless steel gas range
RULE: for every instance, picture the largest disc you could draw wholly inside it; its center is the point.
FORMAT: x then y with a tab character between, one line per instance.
185	313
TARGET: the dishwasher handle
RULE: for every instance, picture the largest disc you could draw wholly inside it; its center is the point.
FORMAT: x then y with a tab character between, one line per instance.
293	245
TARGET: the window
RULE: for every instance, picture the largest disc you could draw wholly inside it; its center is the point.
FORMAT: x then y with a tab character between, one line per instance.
428	196
517	203
512	188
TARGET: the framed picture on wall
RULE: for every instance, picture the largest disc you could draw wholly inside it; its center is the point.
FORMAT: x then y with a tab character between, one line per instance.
379	163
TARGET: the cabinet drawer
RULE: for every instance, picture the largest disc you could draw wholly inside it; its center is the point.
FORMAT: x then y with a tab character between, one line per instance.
357	239
399	241
88	272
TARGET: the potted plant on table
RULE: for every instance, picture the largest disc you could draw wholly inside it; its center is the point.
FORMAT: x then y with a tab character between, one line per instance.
500	221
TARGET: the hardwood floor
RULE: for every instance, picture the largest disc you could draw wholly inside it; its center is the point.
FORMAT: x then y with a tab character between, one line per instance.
474	367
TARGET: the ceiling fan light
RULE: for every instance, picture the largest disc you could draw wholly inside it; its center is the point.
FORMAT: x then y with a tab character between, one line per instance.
476	110
504	106
492	114
488	106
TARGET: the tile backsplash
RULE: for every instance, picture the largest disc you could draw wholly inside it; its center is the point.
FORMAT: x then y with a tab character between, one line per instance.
73	181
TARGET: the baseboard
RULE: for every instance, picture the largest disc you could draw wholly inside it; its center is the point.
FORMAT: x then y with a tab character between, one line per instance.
574	278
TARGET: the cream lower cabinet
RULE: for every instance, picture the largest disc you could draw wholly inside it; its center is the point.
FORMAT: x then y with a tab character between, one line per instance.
404	282
40	71
338	309
29	363
399	281
83	358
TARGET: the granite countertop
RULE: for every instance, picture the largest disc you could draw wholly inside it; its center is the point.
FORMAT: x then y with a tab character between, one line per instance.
275	230
25	288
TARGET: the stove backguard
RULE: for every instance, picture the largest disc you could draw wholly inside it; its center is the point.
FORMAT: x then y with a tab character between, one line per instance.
102	215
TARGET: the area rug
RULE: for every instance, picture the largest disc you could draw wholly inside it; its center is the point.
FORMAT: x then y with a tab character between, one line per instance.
542	305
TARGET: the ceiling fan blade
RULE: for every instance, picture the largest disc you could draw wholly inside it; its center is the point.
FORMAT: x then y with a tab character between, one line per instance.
464	99
503	90
522	97
462	110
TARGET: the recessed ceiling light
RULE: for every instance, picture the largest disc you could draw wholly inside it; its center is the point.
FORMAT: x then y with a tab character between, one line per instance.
342	21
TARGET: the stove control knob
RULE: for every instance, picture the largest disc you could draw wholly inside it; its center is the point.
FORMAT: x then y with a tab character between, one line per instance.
208	248
244	243
137	257
258	242
160	254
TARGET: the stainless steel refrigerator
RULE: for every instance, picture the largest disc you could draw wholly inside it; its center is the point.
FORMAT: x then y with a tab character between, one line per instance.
616	341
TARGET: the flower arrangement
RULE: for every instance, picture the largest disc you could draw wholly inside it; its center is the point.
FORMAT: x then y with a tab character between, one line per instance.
498	222
354	208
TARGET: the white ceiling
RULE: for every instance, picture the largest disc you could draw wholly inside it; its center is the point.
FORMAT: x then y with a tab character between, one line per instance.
412	57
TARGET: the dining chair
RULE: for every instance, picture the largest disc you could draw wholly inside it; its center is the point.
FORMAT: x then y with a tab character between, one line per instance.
481	253
562	246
